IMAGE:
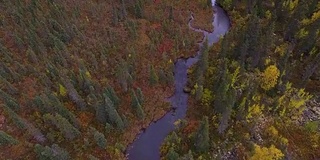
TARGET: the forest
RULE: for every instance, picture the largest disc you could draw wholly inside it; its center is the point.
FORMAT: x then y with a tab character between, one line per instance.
81	79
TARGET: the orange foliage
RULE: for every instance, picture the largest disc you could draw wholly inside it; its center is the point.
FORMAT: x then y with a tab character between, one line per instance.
191	127
165	46
85	118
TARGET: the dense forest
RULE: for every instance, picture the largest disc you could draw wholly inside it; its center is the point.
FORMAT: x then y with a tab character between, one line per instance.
80	79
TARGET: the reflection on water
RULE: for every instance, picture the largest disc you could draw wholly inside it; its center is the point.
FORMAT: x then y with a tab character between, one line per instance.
147	144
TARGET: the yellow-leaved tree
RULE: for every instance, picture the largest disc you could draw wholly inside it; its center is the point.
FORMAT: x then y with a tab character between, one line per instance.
269	77
264	153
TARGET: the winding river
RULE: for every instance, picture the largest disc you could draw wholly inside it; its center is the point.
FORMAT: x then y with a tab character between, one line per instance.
147	144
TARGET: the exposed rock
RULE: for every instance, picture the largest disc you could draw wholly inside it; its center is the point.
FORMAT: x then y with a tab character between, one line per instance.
187	89
312	112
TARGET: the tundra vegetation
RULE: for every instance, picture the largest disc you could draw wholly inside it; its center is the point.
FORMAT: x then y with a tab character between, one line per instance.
79	79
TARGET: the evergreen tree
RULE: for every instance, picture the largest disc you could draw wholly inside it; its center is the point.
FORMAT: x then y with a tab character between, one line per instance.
62	110
24	124
187	156
6	139
113	115
123	9
32	57
138	8
72	93
172	154
69	131
10	89
101	113
140	96
115	17
136	106
123	75
51	153
9	100
202	138
99	139
109	91
91	157
153	78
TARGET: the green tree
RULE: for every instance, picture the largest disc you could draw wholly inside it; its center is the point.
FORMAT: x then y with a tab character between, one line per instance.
172	154
187	156
140	96
109	91
69	131
6	139
153	78
136	106
138	8
113	115
202	138
62	110
99	139
9	100
51	153
24	124
73	93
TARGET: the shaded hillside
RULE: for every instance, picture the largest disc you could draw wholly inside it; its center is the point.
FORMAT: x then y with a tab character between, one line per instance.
82	78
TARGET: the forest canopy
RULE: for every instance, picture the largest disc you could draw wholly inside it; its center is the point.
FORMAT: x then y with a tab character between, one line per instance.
80	79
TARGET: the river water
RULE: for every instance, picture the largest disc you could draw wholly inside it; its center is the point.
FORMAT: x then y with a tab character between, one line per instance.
147	143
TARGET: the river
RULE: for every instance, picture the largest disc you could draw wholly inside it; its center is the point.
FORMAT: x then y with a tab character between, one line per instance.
147	143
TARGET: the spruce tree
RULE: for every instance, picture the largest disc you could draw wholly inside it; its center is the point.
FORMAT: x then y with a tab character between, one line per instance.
140	96
24	124
100	139
54	152
136	106
109	91
63	111
9	100
6	139
172	154
187	156
153	78
113	115
202	138
73	93
101	113
69	131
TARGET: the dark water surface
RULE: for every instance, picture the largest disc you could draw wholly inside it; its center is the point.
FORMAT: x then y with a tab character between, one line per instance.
147	144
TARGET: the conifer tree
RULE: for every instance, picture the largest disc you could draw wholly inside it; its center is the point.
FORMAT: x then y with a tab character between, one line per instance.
138	9
115	17
113	115
140	96
172	154
72	92
187	156
32	56
69	131
6	139
24	124
202	138
109	91
101	113
99	139
9	100
54	152
62	110
136	106
8	86
153	78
